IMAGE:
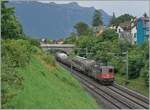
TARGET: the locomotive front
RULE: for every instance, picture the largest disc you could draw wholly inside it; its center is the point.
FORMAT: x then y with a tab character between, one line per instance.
106	74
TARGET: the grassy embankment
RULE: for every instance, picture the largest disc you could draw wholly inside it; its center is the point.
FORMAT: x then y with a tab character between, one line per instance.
46	86
134	84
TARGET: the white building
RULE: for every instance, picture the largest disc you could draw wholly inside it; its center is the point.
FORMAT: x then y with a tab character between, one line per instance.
134	35
113	27
119	31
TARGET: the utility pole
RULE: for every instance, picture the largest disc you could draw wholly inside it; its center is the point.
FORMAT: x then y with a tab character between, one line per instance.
78	51
127	65
86	52
127	72
83	51
71	68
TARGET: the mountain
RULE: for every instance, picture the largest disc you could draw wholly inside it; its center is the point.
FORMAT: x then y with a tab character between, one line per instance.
51	20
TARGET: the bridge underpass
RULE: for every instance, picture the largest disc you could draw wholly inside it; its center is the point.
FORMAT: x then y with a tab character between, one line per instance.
67	48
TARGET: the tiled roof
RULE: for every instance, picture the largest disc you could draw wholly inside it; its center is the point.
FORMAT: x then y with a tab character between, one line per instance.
125	24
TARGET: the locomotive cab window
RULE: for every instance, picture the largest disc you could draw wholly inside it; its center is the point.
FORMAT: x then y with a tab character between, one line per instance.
98	70
110	70
104	70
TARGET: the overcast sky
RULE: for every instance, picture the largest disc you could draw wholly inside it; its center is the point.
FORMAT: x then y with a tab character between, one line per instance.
136	8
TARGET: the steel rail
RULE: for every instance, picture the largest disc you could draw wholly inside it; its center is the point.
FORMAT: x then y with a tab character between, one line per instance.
102	93
120	99
130	97
131	93
113	94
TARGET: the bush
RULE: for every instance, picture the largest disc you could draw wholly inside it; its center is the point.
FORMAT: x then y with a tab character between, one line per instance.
138	61
145	70
15	53
135	66
71	39
32	41
109	34
49	59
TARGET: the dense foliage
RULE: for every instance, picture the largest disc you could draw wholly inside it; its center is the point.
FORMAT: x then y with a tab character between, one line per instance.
112	21
16	51
49	59
81	28
10	26
15	54
121	19
71	39
32	41
107	49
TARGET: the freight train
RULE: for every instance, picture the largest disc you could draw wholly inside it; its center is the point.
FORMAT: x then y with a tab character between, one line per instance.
103	74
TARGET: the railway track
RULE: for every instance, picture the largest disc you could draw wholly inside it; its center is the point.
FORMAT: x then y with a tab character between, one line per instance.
115	96
131	95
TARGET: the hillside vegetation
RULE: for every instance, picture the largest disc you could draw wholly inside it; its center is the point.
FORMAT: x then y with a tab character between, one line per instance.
31	79
47	85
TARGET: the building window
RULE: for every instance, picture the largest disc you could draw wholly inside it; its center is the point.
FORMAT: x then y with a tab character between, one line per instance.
134	42
134	35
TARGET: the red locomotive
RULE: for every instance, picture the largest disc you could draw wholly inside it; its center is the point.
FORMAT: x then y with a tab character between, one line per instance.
106	74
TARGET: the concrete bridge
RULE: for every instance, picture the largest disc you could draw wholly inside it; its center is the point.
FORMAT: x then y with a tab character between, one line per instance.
67	48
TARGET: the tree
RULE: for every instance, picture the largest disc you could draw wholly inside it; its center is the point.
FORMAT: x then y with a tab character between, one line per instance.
71	39
109	34
97	18
122	18
81	28
135	63
10	26
145	15
145	70
113	19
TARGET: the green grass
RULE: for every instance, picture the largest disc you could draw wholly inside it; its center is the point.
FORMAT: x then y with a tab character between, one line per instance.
51	87
134	84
